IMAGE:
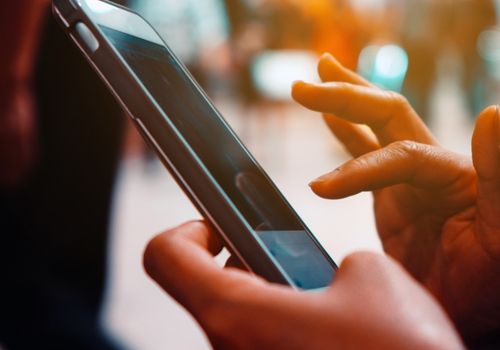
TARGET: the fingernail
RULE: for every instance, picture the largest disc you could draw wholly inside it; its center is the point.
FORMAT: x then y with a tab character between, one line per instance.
324	178
326	55
297	82
330	57
320	180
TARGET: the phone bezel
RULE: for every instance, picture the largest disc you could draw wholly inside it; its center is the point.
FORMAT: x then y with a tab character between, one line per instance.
162	136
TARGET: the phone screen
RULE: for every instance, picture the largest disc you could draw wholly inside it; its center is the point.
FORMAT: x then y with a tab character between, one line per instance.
220	152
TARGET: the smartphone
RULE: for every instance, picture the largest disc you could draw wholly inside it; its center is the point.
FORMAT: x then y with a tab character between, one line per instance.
195	143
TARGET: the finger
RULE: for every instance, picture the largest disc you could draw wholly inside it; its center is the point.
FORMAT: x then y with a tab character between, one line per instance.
355	139
352	286
420	165
387	113
486	157
329	70
181	262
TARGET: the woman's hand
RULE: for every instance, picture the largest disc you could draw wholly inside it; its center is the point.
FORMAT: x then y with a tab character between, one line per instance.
372	304
438	213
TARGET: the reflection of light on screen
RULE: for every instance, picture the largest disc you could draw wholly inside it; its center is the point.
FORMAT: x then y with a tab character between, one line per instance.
99	6
385	65
274	71
488	46
187	25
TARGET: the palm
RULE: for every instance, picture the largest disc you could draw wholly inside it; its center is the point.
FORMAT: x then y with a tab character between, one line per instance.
434	236
411	222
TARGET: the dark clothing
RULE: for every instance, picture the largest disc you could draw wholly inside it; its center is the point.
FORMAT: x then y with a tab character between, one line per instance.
54	230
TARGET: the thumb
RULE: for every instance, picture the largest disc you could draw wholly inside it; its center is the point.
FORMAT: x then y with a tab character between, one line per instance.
486	157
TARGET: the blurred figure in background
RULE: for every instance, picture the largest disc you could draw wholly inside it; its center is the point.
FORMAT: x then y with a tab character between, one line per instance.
340	28
469	19
247	37
196	30
59	145
433	29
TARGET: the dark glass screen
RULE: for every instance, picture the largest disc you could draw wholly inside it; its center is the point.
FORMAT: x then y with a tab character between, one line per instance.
237	174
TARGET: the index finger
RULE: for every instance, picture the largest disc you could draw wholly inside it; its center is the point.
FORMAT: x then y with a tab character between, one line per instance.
355	138
387	113
181	262
330	70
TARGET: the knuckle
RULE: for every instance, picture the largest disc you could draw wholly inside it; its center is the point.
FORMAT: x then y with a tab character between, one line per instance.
399	101
195	224
406	145
410	148
362	260
324	69
359	163
156	245
398	105
199	226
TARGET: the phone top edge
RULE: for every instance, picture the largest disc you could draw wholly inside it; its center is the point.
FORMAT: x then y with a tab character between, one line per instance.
188	147
183	184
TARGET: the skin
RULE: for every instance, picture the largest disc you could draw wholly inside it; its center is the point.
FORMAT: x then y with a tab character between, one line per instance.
241	311
437	212
20	23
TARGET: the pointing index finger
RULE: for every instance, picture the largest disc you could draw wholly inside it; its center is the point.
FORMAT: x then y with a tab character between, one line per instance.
387	113
329	69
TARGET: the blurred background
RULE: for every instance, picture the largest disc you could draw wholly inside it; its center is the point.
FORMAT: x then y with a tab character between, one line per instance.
443	55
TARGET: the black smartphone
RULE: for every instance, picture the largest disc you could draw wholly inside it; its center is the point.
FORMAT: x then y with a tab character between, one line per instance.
195	143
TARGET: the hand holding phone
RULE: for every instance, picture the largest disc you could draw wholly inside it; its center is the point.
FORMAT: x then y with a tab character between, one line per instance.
373	303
